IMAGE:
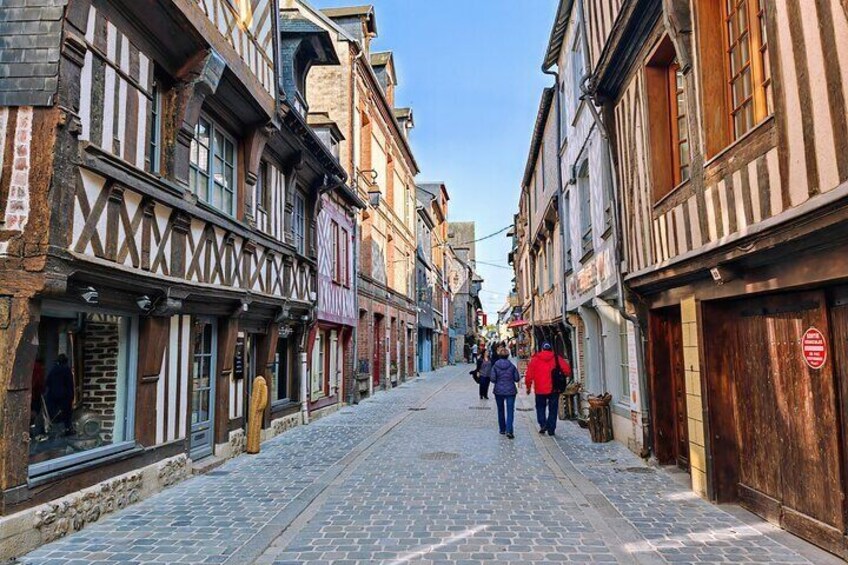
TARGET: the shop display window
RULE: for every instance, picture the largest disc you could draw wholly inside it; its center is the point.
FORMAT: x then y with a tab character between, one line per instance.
82	388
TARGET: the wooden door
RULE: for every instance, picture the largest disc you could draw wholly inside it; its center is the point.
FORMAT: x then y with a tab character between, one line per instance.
788	428
377	342
668	385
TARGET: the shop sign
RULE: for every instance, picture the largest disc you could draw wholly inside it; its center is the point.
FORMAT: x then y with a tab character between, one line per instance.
814	348
238	362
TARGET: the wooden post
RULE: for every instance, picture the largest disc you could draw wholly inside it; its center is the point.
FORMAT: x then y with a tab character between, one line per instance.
258	401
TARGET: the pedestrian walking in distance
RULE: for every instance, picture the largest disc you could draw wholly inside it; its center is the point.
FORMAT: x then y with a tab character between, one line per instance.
504	375
549	374
475	349
484	369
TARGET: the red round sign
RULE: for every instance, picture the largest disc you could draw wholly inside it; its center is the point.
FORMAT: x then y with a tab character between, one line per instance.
814	347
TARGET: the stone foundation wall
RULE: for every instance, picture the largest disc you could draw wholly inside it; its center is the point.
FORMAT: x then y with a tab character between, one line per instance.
24	531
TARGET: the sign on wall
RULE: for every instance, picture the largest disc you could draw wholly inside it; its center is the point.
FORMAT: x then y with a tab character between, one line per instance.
814	348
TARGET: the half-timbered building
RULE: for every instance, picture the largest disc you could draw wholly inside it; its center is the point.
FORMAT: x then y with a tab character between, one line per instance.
333	338
358	96
576	293
157	246
728	121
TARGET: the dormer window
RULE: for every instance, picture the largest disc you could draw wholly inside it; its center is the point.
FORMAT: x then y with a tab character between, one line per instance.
327	131
302	46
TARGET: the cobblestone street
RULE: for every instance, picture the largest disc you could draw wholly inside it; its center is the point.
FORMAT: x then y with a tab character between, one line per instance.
420	475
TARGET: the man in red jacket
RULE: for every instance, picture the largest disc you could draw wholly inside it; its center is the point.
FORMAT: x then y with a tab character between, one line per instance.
539	373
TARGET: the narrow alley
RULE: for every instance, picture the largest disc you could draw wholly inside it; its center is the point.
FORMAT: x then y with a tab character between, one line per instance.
420	475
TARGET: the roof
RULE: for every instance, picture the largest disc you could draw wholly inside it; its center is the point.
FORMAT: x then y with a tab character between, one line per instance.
322	120
381	58
434	188
365	11
557	34
31	39
538	133
403	113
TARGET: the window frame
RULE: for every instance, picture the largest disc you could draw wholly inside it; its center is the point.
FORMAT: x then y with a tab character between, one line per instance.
584	191
153	154
345	256
569	262
299	221
214	128
676	89
335	252
44	469
714	52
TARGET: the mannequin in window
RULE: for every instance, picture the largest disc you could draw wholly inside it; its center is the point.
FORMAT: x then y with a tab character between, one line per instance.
60	393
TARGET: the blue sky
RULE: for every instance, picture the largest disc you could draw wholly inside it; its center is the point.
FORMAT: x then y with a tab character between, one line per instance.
470	70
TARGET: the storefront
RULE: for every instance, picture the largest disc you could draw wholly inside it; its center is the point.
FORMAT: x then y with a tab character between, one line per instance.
83	387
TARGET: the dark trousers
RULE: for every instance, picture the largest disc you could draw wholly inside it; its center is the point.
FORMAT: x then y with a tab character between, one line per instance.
484	387
549	402
506	412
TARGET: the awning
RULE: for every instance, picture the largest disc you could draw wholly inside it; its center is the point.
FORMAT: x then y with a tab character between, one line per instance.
517	324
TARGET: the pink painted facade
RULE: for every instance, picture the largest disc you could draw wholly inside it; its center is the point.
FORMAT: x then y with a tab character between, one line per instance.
336	294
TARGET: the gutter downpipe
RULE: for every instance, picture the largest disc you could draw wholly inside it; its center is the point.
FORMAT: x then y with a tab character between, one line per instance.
647	435
560	209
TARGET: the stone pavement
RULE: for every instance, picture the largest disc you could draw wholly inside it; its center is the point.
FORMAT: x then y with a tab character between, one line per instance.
420	475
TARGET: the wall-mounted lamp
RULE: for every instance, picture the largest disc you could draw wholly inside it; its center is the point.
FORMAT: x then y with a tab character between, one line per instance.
90	295
374	196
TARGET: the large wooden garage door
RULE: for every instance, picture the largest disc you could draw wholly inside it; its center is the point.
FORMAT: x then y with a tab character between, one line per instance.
787	425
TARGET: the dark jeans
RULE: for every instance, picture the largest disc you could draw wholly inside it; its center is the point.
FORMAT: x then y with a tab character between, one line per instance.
506	412
484	387
551	403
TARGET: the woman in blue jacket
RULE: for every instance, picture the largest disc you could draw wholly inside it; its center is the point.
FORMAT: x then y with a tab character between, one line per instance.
503	376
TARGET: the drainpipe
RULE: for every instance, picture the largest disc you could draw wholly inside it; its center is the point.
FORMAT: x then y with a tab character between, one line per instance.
560	210
354	336
647	436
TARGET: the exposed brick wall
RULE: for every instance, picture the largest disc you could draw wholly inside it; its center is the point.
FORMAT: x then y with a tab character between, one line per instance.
100	384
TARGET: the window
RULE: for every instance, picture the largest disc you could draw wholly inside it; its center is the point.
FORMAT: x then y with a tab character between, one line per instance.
153	147
212	166
733	41
585	193
668	120
335	252
83	386
299	224
679	123
318	370
577	70
262	193
345	258
625	364
567	231
549	259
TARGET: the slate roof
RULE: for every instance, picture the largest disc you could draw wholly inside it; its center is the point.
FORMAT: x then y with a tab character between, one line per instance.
381	58
432	188
538	134
365	11
30	42
557	34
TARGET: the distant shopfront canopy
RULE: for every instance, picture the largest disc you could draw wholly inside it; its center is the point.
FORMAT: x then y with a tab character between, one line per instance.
517	324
